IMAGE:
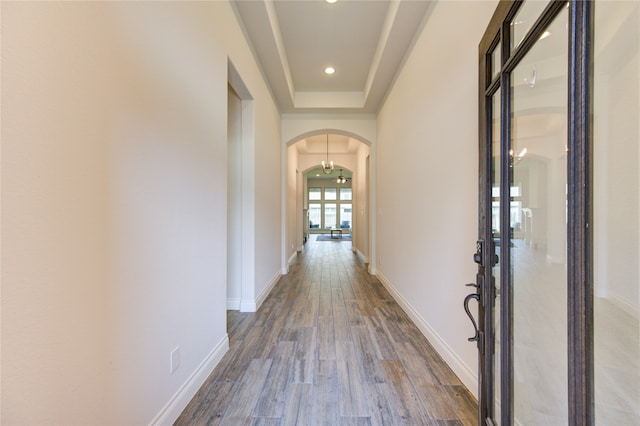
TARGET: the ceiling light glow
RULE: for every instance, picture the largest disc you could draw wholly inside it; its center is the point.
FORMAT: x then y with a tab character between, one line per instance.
331	1
329	70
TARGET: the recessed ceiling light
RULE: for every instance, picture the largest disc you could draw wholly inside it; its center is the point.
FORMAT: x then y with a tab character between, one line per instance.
329	70
331	1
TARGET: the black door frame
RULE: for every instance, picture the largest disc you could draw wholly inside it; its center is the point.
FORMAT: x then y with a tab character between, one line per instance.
580	389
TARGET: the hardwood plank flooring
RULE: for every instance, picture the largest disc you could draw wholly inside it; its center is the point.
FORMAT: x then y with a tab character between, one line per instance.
329	346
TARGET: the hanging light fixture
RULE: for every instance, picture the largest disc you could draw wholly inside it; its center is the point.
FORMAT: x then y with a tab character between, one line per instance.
341	179
515	159
327	168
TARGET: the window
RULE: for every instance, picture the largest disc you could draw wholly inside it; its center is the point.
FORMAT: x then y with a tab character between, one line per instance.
330	194
516	207
314	215
315	194
330	216
345	216
329	207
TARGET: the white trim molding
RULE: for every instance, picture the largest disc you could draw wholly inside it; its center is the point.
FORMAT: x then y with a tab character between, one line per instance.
625	305
265	292
248	306
252	305
362	257
233	304
187	391
459	367
292	259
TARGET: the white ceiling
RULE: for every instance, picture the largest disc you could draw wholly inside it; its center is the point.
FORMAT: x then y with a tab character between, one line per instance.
366	41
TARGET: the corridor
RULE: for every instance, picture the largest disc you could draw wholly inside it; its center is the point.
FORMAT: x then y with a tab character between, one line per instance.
329	346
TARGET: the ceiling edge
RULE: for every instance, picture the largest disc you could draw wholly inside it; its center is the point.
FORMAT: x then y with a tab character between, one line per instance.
274	25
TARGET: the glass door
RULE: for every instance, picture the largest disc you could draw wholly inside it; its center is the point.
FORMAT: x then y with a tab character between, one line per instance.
535	233
537	223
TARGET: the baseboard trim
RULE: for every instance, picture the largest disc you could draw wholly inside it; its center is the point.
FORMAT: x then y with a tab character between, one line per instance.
248	306
625	306
265	291
233	304
361	256
172	410
464	373
285	268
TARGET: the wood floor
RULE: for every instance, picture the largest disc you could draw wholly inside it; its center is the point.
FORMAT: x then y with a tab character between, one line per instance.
329	346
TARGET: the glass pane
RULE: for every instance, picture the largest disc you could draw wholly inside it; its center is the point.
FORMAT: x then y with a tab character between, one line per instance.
538	230
314	216
495	231
617	213
330	216
345	193
330	193
495	61
345	216
524	20
315	194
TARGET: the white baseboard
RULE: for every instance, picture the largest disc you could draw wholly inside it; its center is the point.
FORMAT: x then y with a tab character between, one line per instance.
265	291
292	258
252	305
233	304
625	306
248	306
362	257
175	406
466	375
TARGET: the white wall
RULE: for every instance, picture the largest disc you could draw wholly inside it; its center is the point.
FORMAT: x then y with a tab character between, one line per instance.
427	179
268	208
294	203
361	190
234	200
114	205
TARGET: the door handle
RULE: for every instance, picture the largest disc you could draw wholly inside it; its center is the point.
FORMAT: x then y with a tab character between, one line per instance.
476	336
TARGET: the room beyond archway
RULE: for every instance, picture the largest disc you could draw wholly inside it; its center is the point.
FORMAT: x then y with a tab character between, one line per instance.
316	202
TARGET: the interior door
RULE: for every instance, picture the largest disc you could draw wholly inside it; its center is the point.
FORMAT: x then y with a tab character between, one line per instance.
533	211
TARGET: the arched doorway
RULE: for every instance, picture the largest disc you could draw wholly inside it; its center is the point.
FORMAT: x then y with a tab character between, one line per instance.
347	152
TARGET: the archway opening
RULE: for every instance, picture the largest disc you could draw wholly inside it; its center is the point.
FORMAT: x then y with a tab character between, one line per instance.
318	202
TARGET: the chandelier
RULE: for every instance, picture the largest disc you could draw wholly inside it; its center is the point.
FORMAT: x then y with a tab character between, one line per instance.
341	179
516	158
327	168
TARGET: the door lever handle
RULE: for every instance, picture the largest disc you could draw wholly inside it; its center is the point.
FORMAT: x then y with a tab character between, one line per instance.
476	336
472	285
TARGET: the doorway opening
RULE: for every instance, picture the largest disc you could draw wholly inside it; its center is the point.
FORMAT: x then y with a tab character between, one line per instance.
240	195
334	202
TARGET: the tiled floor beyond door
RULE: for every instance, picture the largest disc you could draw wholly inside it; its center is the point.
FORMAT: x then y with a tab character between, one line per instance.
329	346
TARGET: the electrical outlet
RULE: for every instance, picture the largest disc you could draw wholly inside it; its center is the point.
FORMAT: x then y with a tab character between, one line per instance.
174	360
